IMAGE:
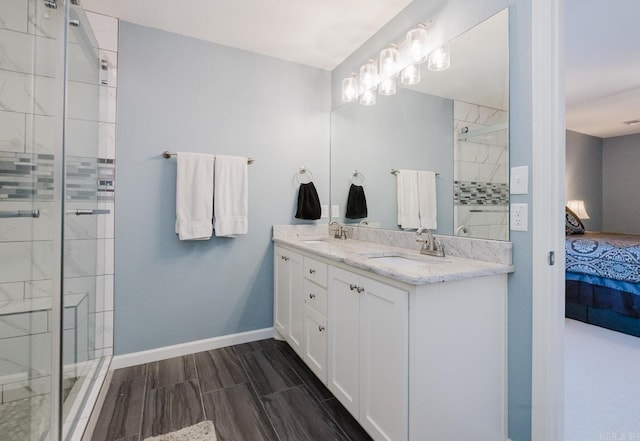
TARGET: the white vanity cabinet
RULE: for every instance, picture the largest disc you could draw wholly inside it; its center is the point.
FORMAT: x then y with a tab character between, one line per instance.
409	362
368	352
289	301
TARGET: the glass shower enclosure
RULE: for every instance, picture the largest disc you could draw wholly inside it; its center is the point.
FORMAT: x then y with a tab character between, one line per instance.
52	221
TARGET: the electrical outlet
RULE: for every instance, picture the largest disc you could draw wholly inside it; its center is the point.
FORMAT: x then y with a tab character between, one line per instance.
520	217
335	211
324	213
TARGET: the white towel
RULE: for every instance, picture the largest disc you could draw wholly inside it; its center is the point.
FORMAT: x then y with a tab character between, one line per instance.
428	201
407	197
231	196
194	196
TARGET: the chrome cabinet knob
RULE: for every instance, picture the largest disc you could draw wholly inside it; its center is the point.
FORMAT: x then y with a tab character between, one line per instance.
321	328
312	295
360	289
352	286
312	271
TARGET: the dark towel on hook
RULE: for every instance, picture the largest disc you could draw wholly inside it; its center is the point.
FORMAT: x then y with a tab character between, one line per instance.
308	202
356	203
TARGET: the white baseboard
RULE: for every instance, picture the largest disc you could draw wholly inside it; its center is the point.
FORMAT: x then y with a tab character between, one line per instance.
135	358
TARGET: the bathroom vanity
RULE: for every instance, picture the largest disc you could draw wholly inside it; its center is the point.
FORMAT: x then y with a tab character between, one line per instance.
413	346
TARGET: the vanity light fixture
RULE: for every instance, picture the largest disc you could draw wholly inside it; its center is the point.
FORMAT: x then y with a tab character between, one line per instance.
410	75
388	70
387	86
402	59
440	59
389	62
350	89
416	44
368	97
368	76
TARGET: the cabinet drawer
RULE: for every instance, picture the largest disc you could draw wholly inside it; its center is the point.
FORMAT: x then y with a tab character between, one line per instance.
315	297
315	271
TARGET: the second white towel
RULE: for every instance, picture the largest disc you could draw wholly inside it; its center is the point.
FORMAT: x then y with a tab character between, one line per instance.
417	201
194	196
428	202
231	196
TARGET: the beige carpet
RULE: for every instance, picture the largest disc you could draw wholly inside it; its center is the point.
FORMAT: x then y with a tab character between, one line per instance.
203	431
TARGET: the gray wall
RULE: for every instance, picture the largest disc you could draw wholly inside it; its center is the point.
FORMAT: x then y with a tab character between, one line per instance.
451	18
182	94
409	130
583	175
621	181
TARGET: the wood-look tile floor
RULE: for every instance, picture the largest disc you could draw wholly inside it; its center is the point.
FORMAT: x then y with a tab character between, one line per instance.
259	391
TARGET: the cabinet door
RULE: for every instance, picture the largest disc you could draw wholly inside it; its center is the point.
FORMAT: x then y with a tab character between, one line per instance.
315	333
384	360
295	337
281	292
344	339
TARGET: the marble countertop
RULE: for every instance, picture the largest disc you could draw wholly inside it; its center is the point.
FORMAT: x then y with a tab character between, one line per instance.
420	270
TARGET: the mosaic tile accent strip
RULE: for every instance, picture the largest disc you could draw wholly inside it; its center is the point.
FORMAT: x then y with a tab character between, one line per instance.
480	193
26	176
29	176
82	179
90	179
106	179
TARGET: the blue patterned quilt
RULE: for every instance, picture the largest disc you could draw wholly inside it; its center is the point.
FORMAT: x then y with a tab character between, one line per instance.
613	256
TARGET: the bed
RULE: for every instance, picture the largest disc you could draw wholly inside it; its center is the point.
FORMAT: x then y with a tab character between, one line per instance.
603	280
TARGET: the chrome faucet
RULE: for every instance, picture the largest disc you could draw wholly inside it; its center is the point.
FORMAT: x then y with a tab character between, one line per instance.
339	232
430	245
363	223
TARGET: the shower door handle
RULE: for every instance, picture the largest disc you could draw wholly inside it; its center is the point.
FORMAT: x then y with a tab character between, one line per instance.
88	212
20	213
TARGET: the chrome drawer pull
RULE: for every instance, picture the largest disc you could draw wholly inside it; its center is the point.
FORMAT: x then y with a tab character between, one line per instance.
312	271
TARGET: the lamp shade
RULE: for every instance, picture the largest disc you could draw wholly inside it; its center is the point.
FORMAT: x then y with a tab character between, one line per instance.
577	206
349	89
440	59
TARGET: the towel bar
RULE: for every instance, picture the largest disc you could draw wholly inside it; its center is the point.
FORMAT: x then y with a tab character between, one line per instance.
20	213
395	172
167	154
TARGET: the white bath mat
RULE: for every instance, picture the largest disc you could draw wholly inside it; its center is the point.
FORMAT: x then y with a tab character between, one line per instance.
203	431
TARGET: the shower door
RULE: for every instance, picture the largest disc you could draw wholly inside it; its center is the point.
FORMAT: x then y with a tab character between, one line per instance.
86	224
53	221
31	110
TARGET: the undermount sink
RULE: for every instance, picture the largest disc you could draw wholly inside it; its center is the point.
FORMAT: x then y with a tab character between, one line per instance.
404	260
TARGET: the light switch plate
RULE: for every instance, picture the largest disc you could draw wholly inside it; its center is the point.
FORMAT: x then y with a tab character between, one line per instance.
325	211
335	211
519	180
519	217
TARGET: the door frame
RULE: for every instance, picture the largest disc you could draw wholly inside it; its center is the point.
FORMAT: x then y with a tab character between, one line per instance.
548	183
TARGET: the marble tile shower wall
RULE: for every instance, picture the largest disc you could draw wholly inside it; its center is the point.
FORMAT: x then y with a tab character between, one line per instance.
28	124
481	196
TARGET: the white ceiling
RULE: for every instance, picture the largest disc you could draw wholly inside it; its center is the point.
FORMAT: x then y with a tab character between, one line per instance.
602	42
318	33
603	66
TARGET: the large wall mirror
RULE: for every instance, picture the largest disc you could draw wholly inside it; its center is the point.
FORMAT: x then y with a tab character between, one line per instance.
454	123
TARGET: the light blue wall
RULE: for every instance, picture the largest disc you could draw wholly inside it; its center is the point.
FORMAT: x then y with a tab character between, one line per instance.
451	18
182	94
621	181
583	175
409	130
